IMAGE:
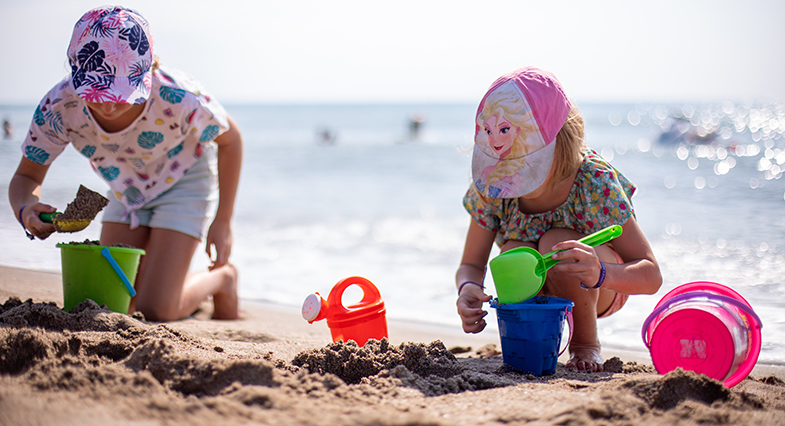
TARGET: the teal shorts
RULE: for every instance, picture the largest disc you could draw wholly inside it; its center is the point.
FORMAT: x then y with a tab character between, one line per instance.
185	207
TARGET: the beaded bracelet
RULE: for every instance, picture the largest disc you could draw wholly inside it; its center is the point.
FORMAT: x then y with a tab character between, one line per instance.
600	281
29	235
460	287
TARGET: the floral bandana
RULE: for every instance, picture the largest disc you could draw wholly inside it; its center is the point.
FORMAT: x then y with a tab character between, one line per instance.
515	130
111	56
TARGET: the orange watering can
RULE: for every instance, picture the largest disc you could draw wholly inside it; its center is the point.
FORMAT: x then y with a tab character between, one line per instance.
360	322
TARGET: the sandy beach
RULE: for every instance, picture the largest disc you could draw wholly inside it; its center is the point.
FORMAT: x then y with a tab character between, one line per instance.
94	367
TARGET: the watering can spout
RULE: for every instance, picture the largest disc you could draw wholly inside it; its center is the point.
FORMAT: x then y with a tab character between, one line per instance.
314	308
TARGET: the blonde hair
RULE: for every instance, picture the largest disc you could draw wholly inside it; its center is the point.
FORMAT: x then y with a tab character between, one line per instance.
567	156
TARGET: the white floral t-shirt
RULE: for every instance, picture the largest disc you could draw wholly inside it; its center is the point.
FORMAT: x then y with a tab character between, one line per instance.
147	158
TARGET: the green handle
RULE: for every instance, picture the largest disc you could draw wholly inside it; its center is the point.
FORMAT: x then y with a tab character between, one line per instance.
600	237
48	217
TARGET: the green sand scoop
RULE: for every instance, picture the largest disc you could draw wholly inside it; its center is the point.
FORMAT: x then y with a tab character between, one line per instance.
519	274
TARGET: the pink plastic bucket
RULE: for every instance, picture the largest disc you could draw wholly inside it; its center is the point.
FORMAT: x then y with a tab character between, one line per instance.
704	327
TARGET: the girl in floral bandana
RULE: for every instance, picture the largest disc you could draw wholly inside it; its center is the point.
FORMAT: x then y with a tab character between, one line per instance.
536	184
152	134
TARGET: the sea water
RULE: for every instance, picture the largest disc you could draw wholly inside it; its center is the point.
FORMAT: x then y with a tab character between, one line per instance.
332	191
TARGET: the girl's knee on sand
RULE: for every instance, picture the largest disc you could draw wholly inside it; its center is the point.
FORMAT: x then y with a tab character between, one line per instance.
220	284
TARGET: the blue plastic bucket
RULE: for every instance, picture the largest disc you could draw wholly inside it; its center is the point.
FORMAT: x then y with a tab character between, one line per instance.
531	332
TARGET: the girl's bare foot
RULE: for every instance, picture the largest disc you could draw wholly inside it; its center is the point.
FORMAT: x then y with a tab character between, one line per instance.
585	358
226	302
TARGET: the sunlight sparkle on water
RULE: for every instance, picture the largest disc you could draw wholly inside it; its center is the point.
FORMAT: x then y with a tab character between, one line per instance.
607	154
633	118
614	118
683	152
670	182
700	182
692	163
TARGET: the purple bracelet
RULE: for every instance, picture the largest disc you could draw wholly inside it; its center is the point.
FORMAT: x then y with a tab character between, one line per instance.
460	287
600	281
21	222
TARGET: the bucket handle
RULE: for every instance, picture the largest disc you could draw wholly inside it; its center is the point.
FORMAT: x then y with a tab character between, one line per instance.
118	270
568	313
690	295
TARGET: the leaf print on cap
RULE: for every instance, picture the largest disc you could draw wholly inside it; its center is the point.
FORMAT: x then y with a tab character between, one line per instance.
209	133
171	95
36	155
148	140
90	56
138	72
176	150
137	40
88	151
109	173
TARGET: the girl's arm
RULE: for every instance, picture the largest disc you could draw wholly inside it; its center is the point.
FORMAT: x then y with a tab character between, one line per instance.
475	256
230	158
639	274
24	193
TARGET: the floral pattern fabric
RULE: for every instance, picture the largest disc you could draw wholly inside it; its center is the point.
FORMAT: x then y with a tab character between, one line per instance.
111	56
600	197
143	160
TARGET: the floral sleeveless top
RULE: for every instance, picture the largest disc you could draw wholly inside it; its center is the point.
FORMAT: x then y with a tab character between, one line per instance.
600	197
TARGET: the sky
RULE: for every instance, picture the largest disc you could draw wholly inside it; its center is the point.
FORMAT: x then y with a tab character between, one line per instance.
421	51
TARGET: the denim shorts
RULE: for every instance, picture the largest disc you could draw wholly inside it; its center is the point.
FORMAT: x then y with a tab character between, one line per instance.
185	207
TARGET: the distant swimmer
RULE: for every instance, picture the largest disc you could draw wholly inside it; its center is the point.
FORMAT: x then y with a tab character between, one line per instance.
8	129
415	123
325	137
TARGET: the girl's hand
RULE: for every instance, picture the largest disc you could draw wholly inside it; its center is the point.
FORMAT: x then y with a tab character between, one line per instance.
220	236
578	260
470	308
33	223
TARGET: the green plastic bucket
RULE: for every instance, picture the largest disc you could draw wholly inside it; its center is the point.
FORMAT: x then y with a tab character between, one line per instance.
89	274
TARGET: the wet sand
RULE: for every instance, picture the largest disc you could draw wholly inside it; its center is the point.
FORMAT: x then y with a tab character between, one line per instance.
94	367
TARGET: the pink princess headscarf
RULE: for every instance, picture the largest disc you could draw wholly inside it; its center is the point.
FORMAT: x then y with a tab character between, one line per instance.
516	126
111	56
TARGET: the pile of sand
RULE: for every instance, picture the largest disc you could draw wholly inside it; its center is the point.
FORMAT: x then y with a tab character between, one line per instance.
91	366
86	205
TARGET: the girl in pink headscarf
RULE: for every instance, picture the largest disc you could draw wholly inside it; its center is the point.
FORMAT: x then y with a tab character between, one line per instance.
536	184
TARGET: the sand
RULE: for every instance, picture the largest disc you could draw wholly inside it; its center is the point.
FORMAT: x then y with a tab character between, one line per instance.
86	205
80	212
91	366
